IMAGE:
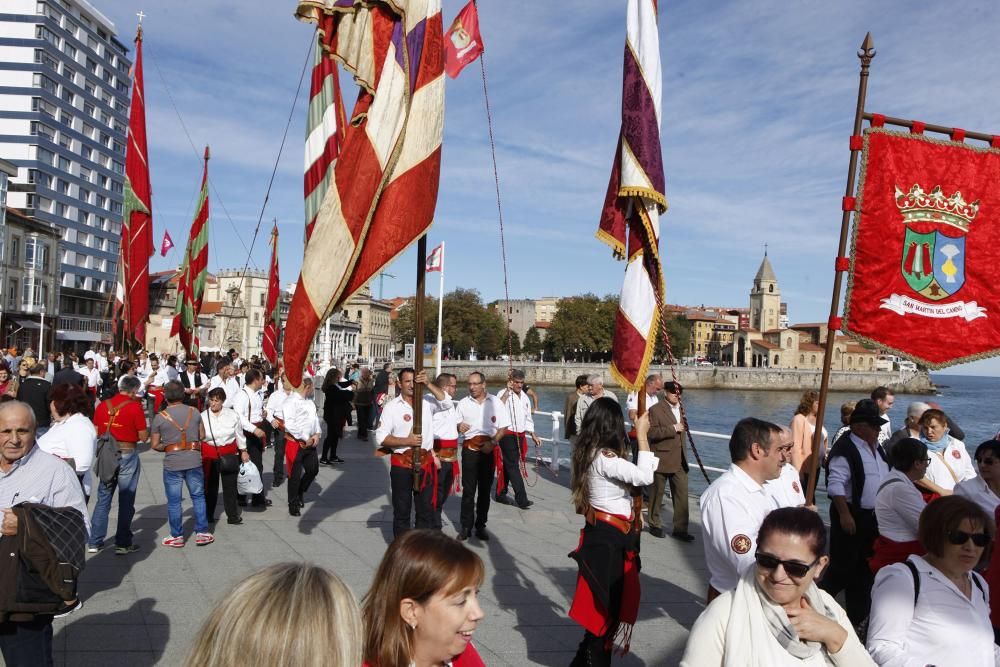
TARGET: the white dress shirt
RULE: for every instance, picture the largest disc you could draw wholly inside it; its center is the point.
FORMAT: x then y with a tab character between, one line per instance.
249	406
191	377
787	489
272	407
950	466
160	378
484	418
93	377
73	438
225	426
610	479
944	628
229	386
632	401
898	505
979	492
732	509
518	411
445	422
301	418
876	470
397	421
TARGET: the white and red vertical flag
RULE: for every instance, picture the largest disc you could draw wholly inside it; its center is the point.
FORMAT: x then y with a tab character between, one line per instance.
630	220
166	244
385	181
137	243
463	42
325	124
194	273
272	322
435	260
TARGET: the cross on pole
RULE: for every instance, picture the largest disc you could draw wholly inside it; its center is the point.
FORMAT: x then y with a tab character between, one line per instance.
141	16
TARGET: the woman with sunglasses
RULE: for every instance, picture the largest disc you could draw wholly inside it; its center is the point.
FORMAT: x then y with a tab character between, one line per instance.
934	609
985	489
898	504
777	615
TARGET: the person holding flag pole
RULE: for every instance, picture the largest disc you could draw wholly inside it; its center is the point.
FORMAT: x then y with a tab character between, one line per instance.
435	262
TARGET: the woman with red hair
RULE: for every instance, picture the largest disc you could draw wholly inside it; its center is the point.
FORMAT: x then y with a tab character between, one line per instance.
72	436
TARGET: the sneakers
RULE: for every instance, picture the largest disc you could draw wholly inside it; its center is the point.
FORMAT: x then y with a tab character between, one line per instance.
68	608
93	548
201	539
176	542
124	551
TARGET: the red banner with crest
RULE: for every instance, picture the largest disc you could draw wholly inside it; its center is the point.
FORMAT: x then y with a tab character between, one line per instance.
926	249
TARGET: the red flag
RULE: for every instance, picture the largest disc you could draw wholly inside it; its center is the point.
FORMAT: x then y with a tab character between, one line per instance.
925	249
435	260
166	244
272	323
194	273
462	43
137	244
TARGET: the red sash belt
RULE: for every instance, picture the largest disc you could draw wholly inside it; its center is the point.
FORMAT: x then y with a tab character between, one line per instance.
405	460
620	522
157	393
211	452
476	442
888	552
498	458
292	446
447	452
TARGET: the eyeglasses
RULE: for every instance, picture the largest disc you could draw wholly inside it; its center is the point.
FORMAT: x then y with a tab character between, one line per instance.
960	537
793	568
986	461
927	460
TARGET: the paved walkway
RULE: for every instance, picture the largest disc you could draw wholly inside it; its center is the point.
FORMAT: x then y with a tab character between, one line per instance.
144	609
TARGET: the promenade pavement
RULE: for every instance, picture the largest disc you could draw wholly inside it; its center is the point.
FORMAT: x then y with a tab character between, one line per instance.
145	608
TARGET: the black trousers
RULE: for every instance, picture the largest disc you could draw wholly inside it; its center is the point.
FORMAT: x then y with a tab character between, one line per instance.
255	448
446	475
229	493
849	571
510	449
28	643
304	471
477	480
334	430
278	437
364	420
405	498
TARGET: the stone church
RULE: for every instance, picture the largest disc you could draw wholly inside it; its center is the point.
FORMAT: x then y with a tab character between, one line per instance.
766	344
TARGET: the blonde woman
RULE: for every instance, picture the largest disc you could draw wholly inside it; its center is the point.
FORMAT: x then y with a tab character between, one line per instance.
302	615
803	428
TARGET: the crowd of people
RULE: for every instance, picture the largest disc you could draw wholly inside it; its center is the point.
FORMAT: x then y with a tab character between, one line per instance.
908	549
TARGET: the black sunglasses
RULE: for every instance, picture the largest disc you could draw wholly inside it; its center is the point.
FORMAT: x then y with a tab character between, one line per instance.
959	537
793	568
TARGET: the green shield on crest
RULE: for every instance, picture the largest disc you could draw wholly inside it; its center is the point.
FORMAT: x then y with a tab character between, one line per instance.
917	264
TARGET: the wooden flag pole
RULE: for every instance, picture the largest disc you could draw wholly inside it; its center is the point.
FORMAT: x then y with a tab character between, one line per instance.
418	361
866	53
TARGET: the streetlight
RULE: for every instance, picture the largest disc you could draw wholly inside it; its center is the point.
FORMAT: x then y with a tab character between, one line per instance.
41	336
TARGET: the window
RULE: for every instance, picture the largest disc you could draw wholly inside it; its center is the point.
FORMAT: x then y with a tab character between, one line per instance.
79	282
45	155
116	208
101	201
15	249
802	358
89	108
87	152
69	50
82	217
34	293
69	74
85	173
84	195
43	130
812	358
770	288
119	167
116	186
65	141
41	32
113	247
44	82
12	294
119	147
62	185
60	209
91	65
45	59
64	163
66	119
68	96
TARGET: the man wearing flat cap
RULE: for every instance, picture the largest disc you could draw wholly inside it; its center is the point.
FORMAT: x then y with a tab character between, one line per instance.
855	470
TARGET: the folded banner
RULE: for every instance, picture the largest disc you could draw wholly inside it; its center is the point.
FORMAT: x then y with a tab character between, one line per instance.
926	241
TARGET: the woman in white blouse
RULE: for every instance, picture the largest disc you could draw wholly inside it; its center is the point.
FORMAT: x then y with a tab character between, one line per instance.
603	481
72	436
777	615
898	504
950	461
934	609
223	438
985	489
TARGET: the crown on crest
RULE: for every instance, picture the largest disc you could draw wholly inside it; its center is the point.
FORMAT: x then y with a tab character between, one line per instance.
919	206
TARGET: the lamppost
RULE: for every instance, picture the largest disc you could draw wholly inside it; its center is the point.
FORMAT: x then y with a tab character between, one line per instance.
41	335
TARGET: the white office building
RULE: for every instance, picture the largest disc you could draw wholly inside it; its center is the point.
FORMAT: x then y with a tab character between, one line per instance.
64	85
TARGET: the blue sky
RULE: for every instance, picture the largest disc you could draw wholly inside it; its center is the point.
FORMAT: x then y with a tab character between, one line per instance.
758	101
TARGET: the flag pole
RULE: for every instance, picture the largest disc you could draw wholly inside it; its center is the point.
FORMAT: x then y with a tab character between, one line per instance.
418	362
440	311
866	53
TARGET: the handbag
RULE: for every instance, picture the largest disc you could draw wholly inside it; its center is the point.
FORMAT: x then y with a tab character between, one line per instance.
107	457
229	464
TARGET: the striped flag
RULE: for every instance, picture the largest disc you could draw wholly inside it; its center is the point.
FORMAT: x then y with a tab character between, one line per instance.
194	273
385	181
131	309
272	321
630	219
325	125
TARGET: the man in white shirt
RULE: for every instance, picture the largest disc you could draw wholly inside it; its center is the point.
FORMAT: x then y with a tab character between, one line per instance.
93	378
654	383
445	445
412	454
301	427
735	504
224	378
597	391
248	405
857	468
272	412
514	444
195	383
884	398
485	420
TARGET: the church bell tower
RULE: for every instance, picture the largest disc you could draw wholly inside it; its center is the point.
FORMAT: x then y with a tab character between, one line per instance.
765	298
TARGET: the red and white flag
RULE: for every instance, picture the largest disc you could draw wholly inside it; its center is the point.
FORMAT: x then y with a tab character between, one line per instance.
462	43
166	244
384	187
630	221
435	260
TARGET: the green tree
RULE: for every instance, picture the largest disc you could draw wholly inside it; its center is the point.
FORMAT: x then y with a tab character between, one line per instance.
404	326
582	328
532	342
679	330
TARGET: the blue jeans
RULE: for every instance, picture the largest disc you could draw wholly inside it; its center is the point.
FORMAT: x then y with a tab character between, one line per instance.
127	483
195	481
